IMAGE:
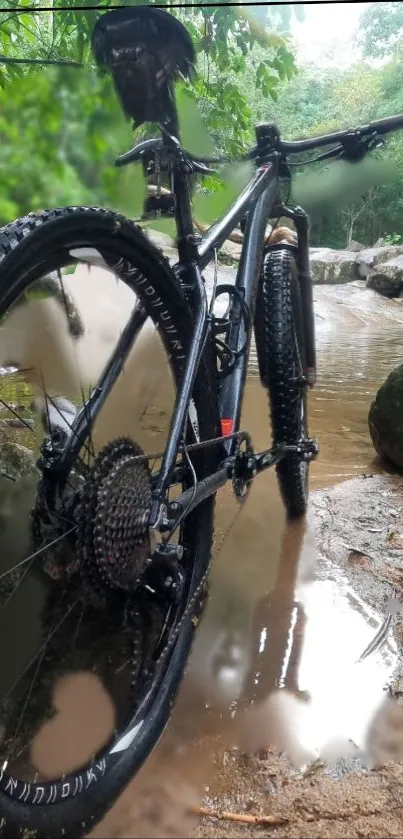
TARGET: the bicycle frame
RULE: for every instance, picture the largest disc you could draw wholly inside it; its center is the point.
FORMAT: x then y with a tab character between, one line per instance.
259	200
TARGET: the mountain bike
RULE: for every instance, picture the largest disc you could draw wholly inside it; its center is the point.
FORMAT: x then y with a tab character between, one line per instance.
121	532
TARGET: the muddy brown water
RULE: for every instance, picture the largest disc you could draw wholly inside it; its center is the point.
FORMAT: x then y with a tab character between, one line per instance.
287	622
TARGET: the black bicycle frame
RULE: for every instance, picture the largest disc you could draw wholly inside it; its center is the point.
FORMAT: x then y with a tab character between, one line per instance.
258	202
257	198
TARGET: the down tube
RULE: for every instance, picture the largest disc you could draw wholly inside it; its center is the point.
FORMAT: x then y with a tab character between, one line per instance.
247	281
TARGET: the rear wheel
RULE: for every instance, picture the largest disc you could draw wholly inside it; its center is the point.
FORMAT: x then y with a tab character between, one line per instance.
70	577
281	353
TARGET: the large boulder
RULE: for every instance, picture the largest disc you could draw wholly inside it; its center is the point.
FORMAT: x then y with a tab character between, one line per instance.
370	258
355	247
330	267
387	277
385	418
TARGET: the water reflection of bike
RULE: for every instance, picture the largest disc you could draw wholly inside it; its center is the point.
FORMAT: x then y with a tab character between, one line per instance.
137	518
278	626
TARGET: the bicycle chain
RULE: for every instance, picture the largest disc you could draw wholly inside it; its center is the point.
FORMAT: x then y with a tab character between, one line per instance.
191	447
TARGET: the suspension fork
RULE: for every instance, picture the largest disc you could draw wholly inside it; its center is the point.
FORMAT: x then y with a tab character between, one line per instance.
301	222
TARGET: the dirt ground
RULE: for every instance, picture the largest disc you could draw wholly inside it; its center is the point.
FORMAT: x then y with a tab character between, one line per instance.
359	528
361	804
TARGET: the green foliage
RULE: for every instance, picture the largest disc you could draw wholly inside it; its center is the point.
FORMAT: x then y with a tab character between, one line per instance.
364	201
393	239
60	129
381	29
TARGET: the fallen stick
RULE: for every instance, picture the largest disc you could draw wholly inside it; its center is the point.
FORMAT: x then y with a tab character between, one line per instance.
245	818
277	821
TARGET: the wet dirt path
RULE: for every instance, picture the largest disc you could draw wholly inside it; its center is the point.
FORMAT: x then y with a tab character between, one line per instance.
292	621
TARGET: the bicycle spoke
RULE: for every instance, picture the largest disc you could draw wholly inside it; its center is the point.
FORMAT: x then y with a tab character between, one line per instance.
38	552
18	584
46	405
16	414
78	626
29	693
84	401
41	650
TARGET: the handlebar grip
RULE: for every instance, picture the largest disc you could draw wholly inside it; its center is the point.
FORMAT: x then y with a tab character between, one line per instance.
384	126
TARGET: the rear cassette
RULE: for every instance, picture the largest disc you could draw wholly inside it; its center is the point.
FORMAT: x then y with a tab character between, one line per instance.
112	540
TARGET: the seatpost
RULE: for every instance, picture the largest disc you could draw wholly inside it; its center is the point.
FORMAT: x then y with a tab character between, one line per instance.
187	241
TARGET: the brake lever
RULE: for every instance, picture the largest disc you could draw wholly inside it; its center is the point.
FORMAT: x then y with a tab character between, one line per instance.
202	168
136	154
355	147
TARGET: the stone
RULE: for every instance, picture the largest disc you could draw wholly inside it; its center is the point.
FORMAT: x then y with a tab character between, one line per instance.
331	266
16	461
387	277
385	418
355	247
371	257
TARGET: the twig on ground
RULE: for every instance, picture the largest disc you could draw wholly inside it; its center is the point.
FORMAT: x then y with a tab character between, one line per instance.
245	818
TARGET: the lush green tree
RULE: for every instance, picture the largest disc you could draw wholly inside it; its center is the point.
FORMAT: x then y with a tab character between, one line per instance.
224	37
60	128
381	29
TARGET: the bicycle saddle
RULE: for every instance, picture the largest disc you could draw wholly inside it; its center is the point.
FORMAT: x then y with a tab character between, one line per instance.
145	49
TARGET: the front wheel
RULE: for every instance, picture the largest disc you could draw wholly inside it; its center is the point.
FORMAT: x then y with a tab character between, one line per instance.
281	354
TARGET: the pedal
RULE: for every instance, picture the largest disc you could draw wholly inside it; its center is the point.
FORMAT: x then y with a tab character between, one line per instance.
308	449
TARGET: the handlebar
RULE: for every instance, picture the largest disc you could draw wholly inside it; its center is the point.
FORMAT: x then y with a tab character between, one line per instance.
380	126
352	143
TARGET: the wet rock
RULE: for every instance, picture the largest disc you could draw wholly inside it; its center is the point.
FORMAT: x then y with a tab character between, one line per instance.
385	418
387	277
370	258
16	461
330	266
355	247
17	423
